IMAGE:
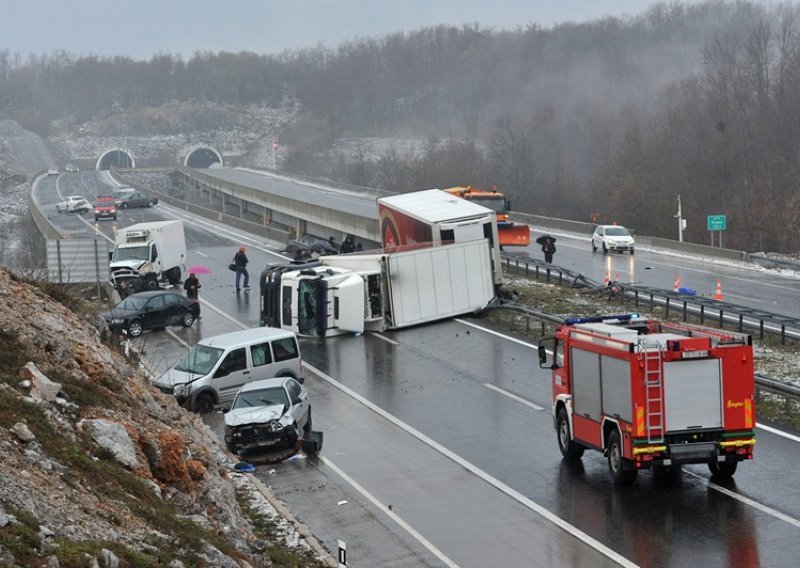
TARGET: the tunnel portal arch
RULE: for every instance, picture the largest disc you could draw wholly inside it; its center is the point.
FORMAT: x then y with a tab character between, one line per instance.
116	158
202	157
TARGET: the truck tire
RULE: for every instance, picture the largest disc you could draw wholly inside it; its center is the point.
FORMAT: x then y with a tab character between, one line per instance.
175	276
151	283
622	471
204	403
570	449
722	470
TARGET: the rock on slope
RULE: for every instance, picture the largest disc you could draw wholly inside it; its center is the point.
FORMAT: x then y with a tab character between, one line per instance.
98	468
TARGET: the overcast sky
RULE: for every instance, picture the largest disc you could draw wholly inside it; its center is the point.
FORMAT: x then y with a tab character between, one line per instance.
140	28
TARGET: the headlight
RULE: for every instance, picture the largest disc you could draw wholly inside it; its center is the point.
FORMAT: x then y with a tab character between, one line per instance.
180	389
117	321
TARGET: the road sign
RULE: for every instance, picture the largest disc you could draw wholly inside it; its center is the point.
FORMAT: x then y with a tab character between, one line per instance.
717	222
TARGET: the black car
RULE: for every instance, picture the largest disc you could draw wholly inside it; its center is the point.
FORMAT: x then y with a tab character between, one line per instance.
135	199
152	310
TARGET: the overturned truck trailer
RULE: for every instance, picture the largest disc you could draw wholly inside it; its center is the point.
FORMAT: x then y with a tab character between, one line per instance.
376	291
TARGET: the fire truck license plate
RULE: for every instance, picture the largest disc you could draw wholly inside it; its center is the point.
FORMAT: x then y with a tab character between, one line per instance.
694	354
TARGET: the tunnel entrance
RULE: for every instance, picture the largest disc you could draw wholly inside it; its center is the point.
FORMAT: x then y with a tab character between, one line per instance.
202	157
115	158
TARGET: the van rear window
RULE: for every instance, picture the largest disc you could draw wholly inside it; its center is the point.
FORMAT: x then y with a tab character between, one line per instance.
285	349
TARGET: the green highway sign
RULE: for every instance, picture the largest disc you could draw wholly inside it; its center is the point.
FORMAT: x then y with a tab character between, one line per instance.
717	222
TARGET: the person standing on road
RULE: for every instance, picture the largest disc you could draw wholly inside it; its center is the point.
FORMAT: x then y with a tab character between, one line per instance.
240	262
192	285
549	249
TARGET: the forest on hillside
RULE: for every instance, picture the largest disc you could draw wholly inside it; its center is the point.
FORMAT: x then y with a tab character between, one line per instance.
607	120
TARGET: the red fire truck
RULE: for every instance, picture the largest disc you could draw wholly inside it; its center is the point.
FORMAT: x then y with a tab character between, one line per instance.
650	393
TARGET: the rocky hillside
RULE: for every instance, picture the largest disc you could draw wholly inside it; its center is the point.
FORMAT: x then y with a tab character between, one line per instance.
100	469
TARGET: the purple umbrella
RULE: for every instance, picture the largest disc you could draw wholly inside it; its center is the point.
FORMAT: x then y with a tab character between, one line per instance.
198	269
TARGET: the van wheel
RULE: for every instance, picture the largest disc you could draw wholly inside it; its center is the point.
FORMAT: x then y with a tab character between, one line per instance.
722	470
204	403
594	246
569	448
307	427
622	471
605	248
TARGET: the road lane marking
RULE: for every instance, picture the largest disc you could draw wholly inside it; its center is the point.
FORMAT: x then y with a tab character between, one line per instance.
394	516
386	339
512	396
747	501
497	333
201	253
514	494
778	432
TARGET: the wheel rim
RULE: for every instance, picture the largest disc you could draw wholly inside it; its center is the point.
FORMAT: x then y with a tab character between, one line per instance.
563	434
614	457
135	329
188	319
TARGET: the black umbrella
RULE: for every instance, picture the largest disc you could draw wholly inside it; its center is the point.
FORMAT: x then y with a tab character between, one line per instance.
544	239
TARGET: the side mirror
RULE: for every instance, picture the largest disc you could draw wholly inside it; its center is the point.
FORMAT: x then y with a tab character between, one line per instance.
542	356
301	380
548	360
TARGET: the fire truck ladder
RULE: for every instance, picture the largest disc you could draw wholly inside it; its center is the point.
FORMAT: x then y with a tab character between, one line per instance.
650	355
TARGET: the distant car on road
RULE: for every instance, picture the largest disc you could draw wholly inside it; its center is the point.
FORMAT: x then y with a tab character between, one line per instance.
105	207
612	238
267	414
152	310
135	199
72	168
52	172
74	204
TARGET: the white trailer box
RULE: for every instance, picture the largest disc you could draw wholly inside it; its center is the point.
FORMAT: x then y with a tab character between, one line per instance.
437	217
427	284
147	253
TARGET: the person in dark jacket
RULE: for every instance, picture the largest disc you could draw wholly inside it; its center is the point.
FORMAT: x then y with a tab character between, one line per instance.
240	262
549	249
348	245
191	285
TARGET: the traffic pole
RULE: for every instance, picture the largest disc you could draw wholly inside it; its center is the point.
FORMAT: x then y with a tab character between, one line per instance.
342	554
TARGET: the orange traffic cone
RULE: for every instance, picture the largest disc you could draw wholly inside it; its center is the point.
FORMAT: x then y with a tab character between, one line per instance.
718	293
677	284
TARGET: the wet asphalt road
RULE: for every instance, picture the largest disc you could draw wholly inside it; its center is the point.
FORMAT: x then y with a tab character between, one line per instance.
422	420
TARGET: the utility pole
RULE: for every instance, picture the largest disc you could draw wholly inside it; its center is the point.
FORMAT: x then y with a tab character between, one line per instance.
681	225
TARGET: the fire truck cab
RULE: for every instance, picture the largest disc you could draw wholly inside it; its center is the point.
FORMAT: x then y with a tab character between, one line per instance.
652	394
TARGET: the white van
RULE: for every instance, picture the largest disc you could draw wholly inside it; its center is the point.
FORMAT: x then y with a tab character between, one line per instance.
213	370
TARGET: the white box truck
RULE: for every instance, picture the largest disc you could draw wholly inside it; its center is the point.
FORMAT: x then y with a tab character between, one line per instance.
376	291
437	217
147	254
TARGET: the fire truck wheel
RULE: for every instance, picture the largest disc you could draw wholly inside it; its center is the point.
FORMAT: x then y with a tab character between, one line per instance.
722	469
569	448
668	473
622	471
